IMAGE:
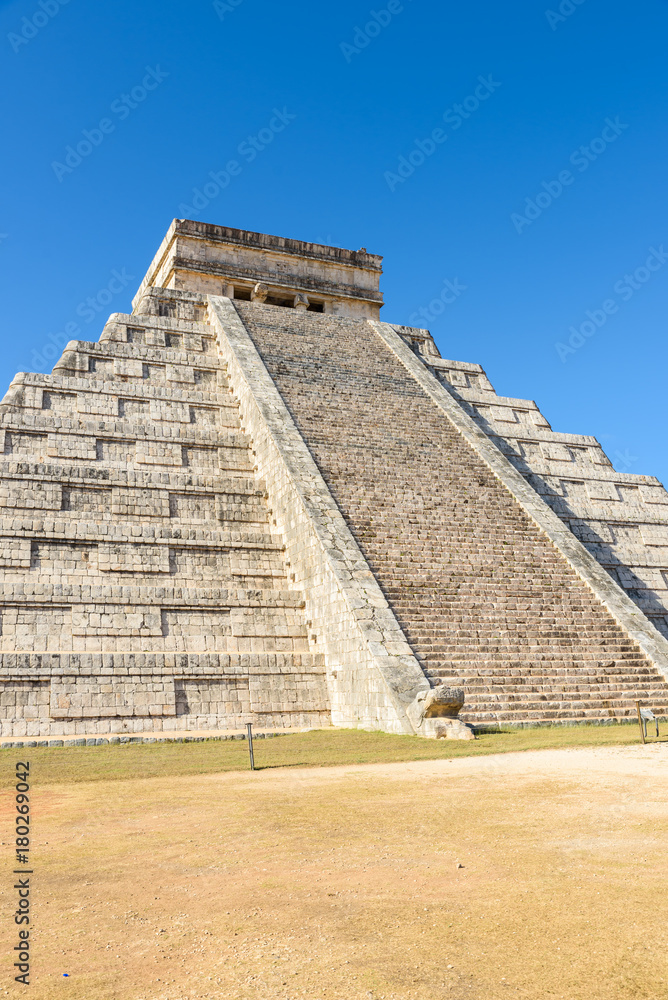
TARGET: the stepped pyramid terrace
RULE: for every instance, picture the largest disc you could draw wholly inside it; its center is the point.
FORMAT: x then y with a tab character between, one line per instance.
254	501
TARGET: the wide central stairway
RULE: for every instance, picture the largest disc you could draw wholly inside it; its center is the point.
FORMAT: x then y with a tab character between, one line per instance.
485	599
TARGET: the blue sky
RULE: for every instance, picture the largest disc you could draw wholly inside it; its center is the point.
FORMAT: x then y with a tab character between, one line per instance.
542	197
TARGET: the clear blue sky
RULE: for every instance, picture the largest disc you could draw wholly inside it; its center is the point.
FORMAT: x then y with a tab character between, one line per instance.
362	100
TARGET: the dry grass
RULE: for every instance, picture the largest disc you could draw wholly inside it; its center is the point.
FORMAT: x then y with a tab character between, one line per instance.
325	747
342	882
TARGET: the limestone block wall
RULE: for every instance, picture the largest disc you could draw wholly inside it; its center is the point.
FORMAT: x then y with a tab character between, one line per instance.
207	259
142	586
620	518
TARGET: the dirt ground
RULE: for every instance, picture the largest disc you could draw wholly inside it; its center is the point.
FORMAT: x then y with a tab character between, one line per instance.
537	874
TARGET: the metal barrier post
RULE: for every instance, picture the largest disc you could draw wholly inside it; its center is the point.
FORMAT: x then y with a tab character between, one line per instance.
642	732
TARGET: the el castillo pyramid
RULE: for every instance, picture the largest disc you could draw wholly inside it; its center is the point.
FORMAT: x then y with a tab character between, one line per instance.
253	501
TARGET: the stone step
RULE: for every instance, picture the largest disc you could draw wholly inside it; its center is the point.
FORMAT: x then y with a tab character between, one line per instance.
248	570
520	640
145	389
566	718
192	664
517	672
172	480
50	529
143	427
157	353
478	700
566	690
504	667
164	595
180	643
568	675
116	453
555	700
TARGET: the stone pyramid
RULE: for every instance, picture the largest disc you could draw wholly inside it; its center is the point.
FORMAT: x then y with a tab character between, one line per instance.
253	501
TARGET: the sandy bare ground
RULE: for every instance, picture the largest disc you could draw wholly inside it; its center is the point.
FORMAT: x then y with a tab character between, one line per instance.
346	882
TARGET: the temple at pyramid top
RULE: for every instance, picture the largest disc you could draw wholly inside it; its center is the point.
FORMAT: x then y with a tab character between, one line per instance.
216	260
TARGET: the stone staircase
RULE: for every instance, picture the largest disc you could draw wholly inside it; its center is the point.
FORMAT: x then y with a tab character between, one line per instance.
485	599
136	543
621	518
